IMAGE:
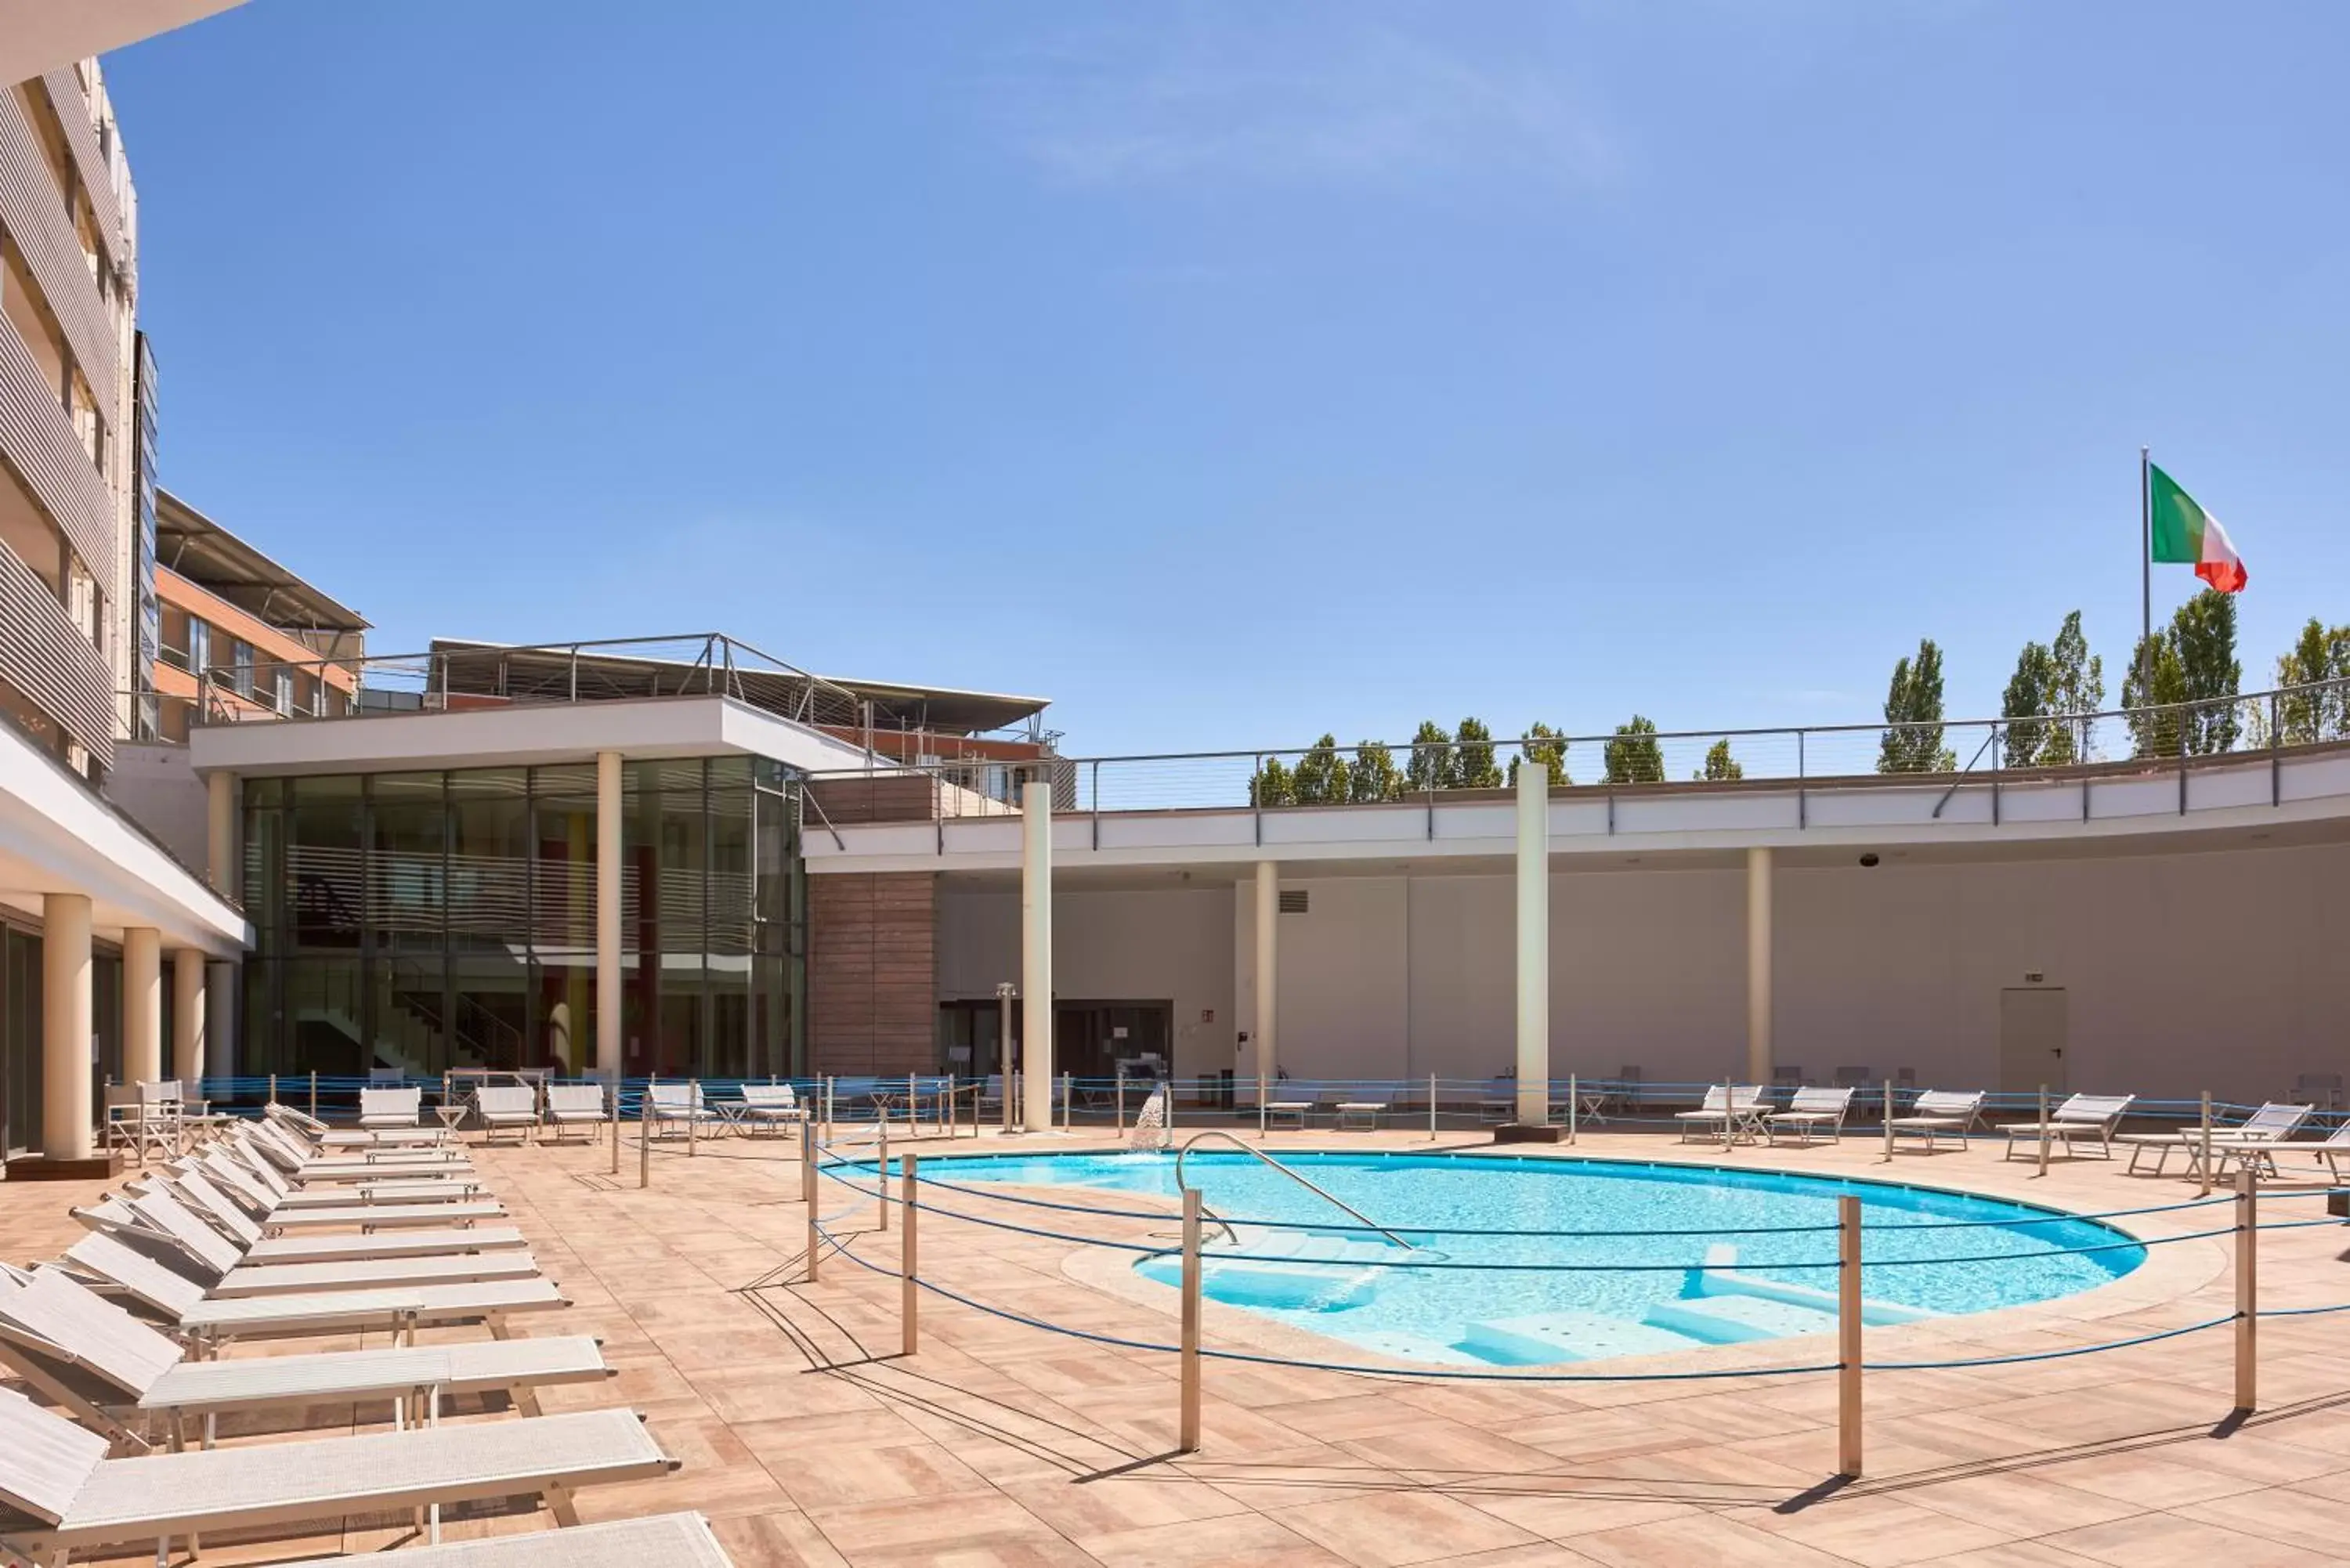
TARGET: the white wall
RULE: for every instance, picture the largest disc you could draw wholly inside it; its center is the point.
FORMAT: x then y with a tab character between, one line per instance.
1175	945
153	784
2219	970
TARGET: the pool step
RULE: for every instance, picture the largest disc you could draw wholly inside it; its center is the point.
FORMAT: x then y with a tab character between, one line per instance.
1540	1338
1402	1347
1736	1319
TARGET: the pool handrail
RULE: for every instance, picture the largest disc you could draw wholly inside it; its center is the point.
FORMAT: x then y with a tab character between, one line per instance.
1323	1193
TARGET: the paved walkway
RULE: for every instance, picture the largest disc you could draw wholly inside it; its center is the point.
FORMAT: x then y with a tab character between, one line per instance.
809	1439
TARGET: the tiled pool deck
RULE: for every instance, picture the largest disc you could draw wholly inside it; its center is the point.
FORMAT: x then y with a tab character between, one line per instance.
809	1440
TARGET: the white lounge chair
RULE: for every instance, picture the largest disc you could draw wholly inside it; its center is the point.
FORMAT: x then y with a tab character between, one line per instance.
1939	1111
2272	1122
157	1218
2091	1117
184	1306
507	1107
385	1108
570	1106
1498	1101
681	1104
2329	1151
772	1106
1365	1114
661	1541
57	1475
116	1372
1809	1110
319	1135
1733	1111
304	1163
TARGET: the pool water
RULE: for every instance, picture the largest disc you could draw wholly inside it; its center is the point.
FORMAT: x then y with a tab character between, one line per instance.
1731	1270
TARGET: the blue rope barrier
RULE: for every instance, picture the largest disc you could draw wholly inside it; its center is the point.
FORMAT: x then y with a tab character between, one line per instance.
2302	1311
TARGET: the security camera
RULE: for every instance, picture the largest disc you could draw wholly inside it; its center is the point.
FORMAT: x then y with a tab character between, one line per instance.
1869	858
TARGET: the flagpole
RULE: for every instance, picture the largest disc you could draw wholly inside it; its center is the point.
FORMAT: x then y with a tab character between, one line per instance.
2144	579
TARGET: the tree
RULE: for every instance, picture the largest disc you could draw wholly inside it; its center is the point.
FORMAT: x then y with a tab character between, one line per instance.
1431	766
1719	766
1475	765
2154	683
2031	696
1374	776
2191	669
1545	745
2080	692
1633	757
1320	778
2319	657
1273	785
1913	706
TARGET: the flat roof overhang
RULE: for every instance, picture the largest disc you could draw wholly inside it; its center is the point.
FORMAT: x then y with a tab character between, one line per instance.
2307	790
57	836
519	735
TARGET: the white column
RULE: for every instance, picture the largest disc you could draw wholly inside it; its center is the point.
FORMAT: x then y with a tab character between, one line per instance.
1264	1060
188	1017
142	1004
220	834
1758	966
1534	943
608	915
66	1119
1037	956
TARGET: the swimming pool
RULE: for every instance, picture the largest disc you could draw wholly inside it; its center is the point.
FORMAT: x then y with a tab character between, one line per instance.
1694	1255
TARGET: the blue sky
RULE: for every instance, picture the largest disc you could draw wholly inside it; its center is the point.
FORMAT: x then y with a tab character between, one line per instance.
1230	372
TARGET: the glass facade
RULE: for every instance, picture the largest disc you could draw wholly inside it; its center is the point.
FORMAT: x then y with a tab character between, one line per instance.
448	920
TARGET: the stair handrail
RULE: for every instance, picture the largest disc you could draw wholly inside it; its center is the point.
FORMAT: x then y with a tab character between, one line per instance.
1323	1193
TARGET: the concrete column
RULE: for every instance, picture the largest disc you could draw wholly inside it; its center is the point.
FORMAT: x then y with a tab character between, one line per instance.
142	1004
608	915
1534	943
1037	955
188	1017
1758	966
66	1119
1264	1059
220	837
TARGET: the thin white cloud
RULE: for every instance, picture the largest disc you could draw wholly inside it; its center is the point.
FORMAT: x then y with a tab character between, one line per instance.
1357	104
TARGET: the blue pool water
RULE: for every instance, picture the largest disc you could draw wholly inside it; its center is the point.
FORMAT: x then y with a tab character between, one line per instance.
1734	1273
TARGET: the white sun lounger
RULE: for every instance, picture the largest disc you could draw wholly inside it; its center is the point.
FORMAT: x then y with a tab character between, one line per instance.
317	1134
662	1540
275	1208
572	1105
159	1218
57	1475
679	1102
111	1369
1734	1111
386	1108
184	1306
1939	1111
771	1105
2329	1151
2272	1122
2090	1116
265	1242
1808	1110
507	1107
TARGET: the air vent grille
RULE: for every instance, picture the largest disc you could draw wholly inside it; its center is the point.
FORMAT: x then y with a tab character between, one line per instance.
1292	900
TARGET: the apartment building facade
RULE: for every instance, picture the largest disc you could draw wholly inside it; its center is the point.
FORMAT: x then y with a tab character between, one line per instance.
91	904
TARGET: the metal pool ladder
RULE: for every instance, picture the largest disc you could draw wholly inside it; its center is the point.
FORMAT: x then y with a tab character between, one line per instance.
1327	1197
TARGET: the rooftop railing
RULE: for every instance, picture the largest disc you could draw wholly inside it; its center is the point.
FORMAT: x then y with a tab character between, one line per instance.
2174	739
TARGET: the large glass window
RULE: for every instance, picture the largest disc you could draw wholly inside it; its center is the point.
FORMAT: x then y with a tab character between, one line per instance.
440	920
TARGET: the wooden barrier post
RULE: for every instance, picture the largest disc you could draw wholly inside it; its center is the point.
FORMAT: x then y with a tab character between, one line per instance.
1431	1107
1118	1127
273	1088
913	1108
881	1179
807	1197
692	1114
1259	1105
2206	1152
614	1118
910	1294
1068	1106
314	1094
1888	1122
1848	1336
1574	1105
1187	1438
645	1136
2043	1129
2248	1283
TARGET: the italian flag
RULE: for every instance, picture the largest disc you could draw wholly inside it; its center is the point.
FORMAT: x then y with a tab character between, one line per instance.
2179	530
